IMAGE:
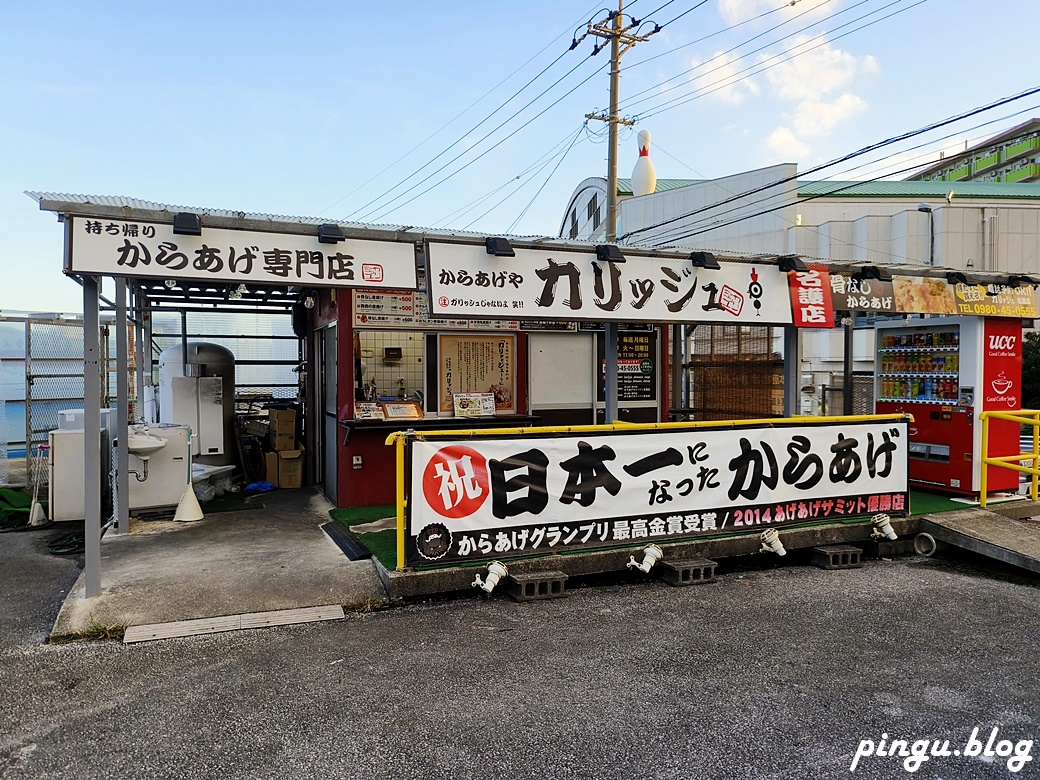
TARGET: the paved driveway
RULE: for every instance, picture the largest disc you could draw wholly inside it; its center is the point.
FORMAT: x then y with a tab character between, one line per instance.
779	672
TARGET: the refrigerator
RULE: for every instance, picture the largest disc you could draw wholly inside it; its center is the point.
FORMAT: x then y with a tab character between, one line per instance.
945	371
65	497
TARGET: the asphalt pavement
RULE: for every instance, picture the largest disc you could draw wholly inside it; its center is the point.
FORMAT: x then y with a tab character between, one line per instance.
775	672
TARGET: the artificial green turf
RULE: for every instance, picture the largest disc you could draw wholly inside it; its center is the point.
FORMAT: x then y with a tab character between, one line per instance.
358	515
922	503
382	544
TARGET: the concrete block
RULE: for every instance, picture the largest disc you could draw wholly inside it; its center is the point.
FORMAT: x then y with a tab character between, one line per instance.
536	585
838	556
694	571
884	548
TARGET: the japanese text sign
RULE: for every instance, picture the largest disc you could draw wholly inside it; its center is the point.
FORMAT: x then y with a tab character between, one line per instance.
142	249
464	281
811	301
478	498
995	300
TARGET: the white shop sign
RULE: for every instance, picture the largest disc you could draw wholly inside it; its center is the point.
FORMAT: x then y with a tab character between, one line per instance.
465	281
111	247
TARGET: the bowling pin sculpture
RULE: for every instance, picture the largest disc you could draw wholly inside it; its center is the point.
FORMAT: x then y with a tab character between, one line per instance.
644	177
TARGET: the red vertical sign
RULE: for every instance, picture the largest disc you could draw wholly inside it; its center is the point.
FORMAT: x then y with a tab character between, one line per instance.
1001	391
811	303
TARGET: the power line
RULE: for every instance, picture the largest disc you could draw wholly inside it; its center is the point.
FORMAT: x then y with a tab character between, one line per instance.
448	123
630	102
763	212
531	169
490	149
547	179
850	156
562	154
720	32
775	60
464	135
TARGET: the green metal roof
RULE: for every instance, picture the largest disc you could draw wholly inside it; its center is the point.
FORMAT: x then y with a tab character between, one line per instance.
624	186
881	189
918	189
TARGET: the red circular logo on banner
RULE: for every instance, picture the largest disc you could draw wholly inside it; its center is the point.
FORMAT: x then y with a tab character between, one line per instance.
455	481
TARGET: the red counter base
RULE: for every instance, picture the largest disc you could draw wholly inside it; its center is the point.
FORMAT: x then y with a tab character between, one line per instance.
371	482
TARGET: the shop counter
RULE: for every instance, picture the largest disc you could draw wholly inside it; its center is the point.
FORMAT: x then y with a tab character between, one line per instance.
366	465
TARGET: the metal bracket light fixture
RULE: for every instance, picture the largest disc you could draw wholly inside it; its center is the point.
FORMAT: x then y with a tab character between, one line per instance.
330	234
872	272
1018	280
791	263
499	247
185	223
609	253
705	260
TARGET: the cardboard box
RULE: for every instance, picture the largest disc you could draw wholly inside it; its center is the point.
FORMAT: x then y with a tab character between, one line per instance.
290	468
282	420
271	464
282	441
282	429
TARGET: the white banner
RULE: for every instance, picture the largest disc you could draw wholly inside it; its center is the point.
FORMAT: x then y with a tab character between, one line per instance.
121	248
465	281
494	497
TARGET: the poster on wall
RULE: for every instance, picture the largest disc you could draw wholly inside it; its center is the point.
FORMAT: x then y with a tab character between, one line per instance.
473	363
637	367
494	497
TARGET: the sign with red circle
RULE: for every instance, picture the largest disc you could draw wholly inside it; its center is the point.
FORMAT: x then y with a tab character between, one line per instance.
455	481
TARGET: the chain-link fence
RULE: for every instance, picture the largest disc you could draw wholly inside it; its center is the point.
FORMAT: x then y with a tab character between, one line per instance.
41	371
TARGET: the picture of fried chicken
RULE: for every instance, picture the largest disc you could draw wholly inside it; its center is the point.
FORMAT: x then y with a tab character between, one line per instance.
923	296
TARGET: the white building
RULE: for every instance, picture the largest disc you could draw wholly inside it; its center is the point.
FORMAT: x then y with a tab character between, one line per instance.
977	226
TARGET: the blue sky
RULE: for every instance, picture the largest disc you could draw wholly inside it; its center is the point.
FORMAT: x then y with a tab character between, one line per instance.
298	108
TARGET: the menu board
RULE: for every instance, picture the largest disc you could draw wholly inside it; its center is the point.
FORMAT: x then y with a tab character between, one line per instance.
385	309
477	364
474	404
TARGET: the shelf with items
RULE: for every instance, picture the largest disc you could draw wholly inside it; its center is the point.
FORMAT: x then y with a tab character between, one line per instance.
933	401
918	349
931	374
919	338
918	388
925	362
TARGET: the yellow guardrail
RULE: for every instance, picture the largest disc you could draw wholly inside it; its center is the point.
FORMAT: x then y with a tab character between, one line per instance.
400	438
1030	417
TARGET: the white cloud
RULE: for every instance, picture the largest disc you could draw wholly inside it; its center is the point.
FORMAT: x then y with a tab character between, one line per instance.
817	70
737	11
817	117
720	77
786	146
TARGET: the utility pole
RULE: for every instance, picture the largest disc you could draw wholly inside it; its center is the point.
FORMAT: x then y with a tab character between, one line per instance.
621	40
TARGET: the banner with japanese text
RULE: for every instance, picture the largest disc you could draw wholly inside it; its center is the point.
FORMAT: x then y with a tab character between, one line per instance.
478	498
465	281
931	295
112	247
811	301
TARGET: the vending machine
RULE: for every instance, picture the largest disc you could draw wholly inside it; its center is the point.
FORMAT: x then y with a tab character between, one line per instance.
945	371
